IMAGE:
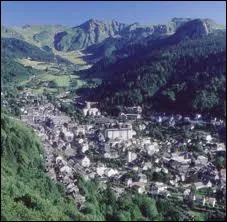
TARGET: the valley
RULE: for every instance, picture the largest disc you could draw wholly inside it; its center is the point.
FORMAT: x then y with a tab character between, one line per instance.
130	119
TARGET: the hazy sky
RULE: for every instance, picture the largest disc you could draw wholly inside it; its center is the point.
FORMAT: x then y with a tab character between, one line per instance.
72	13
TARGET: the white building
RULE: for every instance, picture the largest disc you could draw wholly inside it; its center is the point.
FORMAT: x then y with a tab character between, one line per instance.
101	170
201	160
120	133
129	182
208	138
161	187
131	156
85	162
66	169
187	192
111	172
211	201
142	178
141	190
91	112
131	116
80	130
200	185
84	147
147	166
152	148
180	159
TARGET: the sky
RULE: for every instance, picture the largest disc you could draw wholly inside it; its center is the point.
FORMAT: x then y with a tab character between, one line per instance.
72	13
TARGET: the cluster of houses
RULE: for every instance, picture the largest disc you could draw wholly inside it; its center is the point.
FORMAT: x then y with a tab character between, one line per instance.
110	150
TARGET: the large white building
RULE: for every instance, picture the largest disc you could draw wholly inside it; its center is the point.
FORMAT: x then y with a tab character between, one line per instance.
120	133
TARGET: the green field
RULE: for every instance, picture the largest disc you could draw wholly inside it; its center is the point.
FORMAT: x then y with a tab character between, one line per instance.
198	215
61	81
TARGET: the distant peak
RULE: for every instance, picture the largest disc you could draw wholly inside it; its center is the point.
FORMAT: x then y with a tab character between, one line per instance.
26	26
92	21
175	19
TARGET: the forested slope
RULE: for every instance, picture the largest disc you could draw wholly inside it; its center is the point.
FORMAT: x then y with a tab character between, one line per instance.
191	70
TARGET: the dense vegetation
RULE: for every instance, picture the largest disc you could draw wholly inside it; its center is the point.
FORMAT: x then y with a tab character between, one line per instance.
21	49
192	70
11	71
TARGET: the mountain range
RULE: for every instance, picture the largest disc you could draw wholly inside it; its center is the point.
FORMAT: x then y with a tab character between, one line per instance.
95	32
160	64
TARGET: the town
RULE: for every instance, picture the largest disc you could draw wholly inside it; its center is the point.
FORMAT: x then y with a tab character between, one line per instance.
123	150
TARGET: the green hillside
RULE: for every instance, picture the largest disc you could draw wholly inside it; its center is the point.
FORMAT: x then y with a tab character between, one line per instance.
11	71
39	35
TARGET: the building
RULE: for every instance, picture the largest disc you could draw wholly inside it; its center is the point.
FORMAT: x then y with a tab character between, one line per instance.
131	156
133	109
90	110
130	116
124	133
200	185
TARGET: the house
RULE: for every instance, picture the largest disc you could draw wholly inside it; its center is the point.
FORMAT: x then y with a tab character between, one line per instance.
101	170
141	190
111	172
147	166
133	109
66	169
142	178
211	201
201	160
139	186
152	148
131	156
200	185
209	138
158	188
198	116
130	116
84	147
80	130
187	192
85	162
129	182
180	159
206	201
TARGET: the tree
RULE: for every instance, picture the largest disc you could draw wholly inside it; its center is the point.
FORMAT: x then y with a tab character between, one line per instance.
52	84
220	162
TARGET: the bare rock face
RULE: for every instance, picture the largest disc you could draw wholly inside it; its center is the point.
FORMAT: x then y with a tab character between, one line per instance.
196	28
87	34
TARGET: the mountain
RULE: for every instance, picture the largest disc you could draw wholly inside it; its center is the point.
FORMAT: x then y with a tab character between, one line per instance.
120	48
89	33
102	37
22	49
11	33
188	65
13	49
94	32
39	35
